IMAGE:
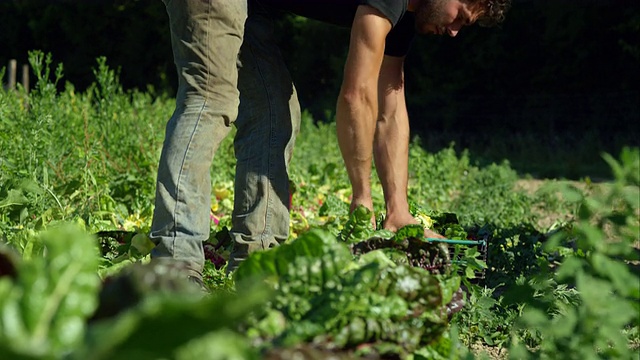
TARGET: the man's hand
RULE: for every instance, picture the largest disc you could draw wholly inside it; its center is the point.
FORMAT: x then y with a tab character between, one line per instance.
395	221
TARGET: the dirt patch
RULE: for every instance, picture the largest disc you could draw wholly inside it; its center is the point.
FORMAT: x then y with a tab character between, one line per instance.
552	206
550	209
493	352
531	186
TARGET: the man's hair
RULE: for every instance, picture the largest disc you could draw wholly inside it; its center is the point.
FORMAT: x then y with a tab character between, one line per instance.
493	13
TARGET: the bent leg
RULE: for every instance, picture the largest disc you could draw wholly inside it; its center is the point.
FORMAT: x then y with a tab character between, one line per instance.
206	38
268	122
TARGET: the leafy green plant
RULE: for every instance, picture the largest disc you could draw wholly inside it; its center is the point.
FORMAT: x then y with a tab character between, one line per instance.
54	306
135	332
325	297
597	250
45	307
488	320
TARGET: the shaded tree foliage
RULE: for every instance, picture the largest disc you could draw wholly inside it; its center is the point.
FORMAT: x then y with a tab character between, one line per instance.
132	34
553	66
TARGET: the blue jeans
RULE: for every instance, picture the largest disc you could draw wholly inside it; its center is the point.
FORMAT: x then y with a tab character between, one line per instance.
230	73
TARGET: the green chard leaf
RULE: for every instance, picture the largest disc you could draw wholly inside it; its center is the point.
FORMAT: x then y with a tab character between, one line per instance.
44	310
314	257
164	323
409	231
358	227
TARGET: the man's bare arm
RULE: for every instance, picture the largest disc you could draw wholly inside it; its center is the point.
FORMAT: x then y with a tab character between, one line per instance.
357	107
391	147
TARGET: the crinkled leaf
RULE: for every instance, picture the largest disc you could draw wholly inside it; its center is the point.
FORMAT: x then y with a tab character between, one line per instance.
358	227
333	206
323	295
409	231
399	306
314	257
454	231
44	310
163	323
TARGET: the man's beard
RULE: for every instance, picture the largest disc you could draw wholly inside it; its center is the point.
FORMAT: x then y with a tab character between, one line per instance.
429	14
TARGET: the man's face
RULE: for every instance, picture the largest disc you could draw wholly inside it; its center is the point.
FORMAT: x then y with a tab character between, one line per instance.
441	17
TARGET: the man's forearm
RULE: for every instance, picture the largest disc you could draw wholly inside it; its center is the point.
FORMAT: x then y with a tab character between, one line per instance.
391	148
357	107
355	122
391	152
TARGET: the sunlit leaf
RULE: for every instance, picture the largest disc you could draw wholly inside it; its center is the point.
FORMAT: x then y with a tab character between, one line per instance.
46	307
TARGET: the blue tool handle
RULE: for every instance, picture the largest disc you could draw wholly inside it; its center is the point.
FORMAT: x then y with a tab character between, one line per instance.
459	242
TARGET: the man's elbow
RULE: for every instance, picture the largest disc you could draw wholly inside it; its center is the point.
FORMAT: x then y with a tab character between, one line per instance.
357	97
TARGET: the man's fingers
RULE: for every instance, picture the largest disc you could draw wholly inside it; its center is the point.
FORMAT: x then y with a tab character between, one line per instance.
432	234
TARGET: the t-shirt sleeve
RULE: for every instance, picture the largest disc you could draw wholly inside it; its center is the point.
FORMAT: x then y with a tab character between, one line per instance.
392	9
401	36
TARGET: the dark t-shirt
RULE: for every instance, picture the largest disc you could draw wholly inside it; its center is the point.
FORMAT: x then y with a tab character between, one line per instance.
342	12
